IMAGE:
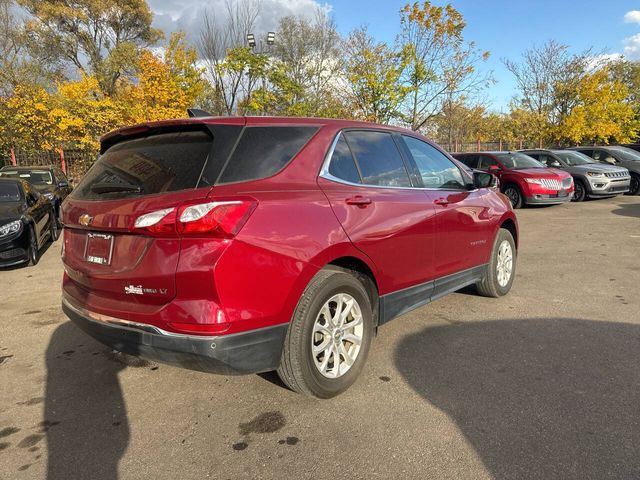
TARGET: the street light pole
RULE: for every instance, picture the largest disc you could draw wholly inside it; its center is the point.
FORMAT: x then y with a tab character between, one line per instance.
270	39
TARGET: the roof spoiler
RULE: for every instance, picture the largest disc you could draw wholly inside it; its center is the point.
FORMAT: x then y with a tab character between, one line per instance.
196	112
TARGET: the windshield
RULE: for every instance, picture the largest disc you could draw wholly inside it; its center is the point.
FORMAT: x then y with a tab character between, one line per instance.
627	154
35	177
574	158
518	161
9	192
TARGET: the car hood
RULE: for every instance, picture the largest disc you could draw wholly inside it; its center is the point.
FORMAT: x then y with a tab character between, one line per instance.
541	173
597	167
10	211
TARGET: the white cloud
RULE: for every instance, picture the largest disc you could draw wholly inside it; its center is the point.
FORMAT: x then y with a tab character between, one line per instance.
632	16
187	15
632	47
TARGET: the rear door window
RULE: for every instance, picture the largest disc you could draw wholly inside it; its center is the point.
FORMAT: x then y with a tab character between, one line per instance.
264	151
342	165
159	163
378	158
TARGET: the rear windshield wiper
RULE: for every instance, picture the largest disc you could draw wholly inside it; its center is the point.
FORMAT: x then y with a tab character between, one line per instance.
114	187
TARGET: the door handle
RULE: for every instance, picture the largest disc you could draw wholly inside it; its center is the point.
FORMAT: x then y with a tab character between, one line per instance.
441	201
358	200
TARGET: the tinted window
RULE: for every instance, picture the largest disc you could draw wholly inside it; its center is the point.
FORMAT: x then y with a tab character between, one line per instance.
155	164
342	164
469	160
378	158
436	170
588	153
264	151
486	162
9	192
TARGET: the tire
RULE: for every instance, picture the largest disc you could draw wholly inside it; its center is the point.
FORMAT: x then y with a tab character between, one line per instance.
634	186
32	251
300	368
57	215
491	285
54	227
514	195
580	192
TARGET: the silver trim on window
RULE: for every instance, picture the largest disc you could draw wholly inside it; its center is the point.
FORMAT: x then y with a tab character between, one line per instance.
324	171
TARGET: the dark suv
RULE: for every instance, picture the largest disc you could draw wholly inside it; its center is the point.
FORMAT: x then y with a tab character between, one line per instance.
591	179
620	157
48	181
239	245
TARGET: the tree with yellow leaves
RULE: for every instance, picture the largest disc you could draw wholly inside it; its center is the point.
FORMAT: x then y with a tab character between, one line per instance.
601	115
165	88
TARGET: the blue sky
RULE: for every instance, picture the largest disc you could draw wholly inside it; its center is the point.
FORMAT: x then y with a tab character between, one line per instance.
503	27
507	28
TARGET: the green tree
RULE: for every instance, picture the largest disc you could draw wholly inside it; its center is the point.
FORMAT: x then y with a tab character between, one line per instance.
99	37
441	65
373	72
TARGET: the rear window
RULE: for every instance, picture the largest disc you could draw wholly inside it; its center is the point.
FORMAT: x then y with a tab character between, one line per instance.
264	151
159	163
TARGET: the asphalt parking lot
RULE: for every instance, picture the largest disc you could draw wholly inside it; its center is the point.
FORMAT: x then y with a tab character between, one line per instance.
543	383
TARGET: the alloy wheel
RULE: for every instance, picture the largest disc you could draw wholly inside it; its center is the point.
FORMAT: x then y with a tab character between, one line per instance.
513	195
337	335
504	265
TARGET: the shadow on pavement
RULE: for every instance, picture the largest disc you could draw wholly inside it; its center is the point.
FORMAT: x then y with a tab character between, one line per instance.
85	415
628	210
537	398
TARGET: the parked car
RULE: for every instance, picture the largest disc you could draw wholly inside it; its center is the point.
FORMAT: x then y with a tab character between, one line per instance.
49	181
591	179
523	179
243	245
618	156
27	221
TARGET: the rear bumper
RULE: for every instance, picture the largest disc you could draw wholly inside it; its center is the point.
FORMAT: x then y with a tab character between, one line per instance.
254	351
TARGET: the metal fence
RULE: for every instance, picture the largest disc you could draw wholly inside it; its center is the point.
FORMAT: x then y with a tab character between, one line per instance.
74	163
491	146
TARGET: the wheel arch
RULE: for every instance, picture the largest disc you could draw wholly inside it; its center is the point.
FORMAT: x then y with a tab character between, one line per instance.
511	226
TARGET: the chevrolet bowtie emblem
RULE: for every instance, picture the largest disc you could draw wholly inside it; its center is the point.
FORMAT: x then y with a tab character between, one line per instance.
86	220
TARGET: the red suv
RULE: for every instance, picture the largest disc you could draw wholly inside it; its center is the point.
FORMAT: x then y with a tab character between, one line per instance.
241	245
522	178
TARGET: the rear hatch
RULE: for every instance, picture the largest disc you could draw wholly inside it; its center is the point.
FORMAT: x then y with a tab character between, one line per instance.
111	262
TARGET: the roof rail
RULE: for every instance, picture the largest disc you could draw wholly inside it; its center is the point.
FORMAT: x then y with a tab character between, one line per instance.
196	112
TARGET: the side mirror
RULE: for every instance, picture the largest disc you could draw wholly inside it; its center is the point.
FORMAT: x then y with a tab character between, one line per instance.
610	160
555	164
484	180
494	168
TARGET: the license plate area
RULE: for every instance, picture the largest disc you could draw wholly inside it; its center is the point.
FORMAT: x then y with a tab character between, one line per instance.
98	248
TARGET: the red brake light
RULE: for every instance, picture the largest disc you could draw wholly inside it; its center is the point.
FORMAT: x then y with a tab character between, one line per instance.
219	218
223	218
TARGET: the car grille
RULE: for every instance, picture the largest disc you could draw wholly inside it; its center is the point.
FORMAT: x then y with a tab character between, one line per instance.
13	253
551	183
616	174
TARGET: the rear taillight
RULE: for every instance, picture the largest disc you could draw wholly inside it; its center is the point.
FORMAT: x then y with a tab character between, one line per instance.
222	219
